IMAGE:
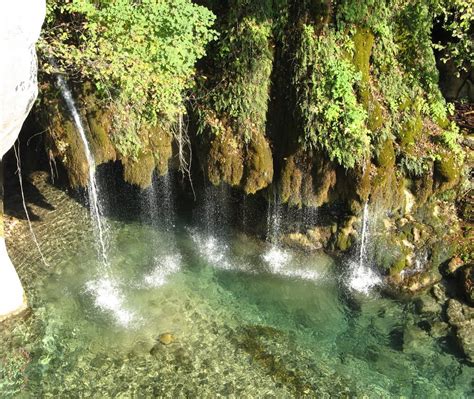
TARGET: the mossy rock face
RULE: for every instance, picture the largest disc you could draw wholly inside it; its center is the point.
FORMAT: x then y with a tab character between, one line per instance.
466	279
161	146
292	178
99	122
422	187
345	235
307	179
386	155
376	115
446	172
63	140
100	127
225	162
64	143
398	266
387	190
441	253
410	133
353	187
140	171
344	242
258	165
363	43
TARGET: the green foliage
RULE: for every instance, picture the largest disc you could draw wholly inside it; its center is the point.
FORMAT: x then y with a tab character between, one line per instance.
404	68
242	61
451	138
415	166
326	102
140	55
457	17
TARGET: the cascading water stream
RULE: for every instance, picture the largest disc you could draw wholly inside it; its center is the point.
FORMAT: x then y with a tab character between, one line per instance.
96	213
274	220
275	257
362	278
105	289
365	232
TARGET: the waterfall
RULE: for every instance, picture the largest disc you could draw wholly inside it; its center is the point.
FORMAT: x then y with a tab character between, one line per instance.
158	205
95	207
362	277
216	210
364	234
275	257
105	289
274	219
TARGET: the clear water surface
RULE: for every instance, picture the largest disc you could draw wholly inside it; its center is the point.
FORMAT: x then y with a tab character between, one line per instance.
247	319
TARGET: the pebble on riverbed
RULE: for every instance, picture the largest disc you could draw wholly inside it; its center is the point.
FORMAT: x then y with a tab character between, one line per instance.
166	338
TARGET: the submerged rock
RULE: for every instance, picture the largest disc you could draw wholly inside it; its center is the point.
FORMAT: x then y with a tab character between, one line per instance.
461	318
427	305
414	339
166	338
466	280
439	329
439	293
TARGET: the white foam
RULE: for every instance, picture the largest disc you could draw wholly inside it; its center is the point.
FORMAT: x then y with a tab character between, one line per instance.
108	298
213	251
276	258
362	278
280	263
164	267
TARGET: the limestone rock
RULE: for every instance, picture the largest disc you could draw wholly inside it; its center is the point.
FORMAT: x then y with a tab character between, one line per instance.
454	264
20	25
439	293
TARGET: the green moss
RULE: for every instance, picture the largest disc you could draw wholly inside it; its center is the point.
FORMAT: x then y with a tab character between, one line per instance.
291	181
225	160
386	155
344	241
258	165
398	266
363	43
446	169
410	133
307	179
63	142
140	171
375	115
99	127
161	146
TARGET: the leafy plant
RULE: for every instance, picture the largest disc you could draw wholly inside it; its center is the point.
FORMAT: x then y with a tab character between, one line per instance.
331	116
140	55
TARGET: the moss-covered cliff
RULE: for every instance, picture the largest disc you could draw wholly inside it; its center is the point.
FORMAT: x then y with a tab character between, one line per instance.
330	103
